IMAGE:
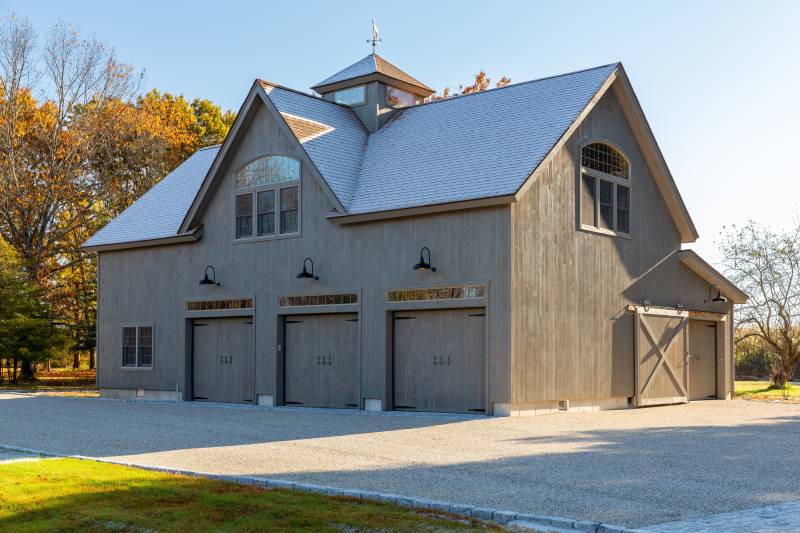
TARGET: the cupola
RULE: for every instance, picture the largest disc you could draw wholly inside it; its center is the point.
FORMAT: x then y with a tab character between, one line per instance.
374	89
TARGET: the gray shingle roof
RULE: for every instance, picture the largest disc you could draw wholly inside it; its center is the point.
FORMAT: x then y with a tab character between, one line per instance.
159	212
371	64
463	148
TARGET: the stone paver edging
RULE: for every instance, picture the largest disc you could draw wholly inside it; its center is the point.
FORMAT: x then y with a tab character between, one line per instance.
524	521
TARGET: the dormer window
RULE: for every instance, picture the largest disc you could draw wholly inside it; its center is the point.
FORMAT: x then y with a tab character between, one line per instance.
352	96
398	98
268	188
605	204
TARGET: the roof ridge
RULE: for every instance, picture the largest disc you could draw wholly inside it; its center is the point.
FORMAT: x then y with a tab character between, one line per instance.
301	93
451	98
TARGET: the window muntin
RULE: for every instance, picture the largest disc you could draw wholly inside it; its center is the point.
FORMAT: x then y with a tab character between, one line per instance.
289	210
605	190
352	96
318	299
137	346
438	293
398	98
265	206
219	305
244	215
265	201
604	158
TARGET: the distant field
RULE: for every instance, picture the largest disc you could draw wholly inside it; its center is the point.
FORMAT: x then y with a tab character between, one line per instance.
72	495
58	382
760	390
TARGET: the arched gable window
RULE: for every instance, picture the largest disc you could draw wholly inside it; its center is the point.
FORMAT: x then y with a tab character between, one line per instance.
268	188
605	189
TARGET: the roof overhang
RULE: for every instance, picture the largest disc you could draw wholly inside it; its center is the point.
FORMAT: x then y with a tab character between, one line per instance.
375	76
421	210
189	236
701	267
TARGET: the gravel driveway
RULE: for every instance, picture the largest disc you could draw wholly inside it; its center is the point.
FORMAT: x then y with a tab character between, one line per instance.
633	467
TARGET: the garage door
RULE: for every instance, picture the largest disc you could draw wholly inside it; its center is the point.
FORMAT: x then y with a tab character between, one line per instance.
322	363
439	360
661	340
702	360
222	360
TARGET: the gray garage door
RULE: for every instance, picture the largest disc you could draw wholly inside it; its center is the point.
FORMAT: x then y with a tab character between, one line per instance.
322	361
439	360
703	360
222	360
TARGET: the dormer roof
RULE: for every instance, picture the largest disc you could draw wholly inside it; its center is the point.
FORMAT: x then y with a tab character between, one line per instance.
373	67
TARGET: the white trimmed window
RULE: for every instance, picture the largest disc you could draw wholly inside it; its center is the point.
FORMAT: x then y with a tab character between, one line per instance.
137	346
267	199
605	200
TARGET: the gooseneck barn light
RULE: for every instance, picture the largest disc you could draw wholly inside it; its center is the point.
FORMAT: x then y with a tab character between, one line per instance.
719	298
423	264
209	281
305	273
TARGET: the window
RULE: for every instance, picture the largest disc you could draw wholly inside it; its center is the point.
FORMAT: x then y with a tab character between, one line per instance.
353	96
440	293
318	299
605	190
219	305
289	210
265	206
398	98
137	346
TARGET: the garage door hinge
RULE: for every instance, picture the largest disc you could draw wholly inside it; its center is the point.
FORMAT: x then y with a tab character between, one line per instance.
405	317
404	407
294	403
294	322
478	314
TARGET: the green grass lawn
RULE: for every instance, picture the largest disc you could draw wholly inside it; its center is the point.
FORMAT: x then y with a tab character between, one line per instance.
73	495
760	390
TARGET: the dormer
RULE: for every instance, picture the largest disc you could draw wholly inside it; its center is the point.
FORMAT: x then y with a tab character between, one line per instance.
374	89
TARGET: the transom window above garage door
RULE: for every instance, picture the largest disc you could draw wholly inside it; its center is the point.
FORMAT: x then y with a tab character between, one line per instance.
439	293
318	299
220	305
267	202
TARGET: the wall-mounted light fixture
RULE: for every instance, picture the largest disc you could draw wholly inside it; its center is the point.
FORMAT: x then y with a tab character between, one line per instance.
719	298
305	273
423	264
209	281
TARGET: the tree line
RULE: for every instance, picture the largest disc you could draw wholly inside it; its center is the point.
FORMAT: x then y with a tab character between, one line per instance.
79	142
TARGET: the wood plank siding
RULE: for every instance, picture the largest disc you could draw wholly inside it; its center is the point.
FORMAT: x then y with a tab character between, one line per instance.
572	337
154	284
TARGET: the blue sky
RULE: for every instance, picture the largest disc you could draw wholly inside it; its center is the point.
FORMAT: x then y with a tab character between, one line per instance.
719	81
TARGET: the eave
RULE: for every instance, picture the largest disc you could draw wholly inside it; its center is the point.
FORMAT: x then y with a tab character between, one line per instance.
189	236
701	267
338	218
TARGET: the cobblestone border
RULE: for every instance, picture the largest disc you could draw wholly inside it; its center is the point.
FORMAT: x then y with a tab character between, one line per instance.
523	521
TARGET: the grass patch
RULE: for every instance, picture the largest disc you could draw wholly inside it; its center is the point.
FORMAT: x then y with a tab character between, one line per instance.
760	390
74	495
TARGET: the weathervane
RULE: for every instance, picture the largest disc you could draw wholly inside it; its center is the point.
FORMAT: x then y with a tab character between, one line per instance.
375	36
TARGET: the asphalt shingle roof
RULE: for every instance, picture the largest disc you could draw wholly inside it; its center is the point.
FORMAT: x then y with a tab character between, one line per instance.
159	212
462	148
371	64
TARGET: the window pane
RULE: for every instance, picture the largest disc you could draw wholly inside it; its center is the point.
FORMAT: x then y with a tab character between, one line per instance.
623	209
588	200
244	215
398	98
266	213
606	204
128	346
268	170
146	346
602	157
289	210
351	96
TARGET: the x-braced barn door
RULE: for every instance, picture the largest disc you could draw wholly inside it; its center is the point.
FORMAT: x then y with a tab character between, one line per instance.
662	345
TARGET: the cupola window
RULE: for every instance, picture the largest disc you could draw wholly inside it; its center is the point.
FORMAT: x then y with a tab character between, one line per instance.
352	96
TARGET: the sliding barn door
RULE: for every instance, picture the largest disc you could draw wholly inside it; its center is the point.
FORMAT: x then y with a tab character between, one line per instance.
661	338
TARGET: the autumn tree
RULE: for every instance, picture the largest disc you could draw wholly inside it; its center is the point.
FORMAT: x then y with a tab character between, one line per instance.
766	265
480	83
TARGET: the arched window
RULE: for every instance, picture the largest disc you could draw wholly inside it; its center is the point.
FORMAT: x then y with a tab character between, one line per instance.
605	189
268	188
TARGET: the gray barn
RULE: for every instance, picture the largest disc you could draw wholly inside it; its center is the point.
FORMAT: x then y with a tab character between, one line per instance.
507	252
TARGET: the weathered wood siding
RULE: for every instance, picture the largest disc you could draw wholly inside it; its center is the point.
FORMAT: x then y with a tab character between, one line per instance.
572	338
153	284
